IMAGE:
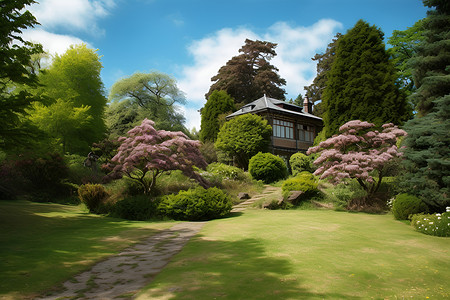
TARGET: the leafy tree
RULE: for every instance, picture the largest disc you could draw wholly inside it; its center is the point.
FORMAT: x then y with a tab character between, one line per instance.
359	152
249	76
362	82
16	74
74	78
62	121
324	63
243	137
432	60
427	144
404	47
297	101
146	153
218	103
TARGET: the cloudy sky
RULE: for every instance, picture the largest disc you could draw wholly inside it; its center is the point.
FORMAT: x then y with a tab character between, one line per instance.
191	39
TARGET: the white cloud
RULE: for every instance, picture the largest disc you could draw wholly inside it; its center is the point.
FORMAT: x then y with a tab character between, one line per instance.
192	117
72	14
296	47
52	43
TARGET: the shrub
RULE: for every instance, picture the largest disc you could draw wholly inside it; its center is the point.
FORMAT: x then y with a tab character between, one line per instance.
343	193
433	224
196	204
267	167
138	208
300	162
405	205
94	196
305	182
78	173
226	171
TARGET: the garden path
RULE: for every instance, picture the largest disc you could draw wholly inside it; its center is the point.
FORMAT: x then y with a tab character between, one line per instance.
124	274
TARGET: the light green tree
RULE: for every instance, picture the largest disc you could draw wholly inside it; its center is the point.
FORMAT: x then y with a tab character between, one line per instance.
243	137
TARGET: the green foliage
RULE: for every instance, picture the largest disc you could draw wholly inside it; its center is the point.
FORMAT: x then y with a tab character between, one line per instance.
405	205
300	162
226	171
249	76
219	102
94	196
197	204
138	208
74	114
17	76
243	137
305	182
208	150
78	173
432	224
267	167
362	82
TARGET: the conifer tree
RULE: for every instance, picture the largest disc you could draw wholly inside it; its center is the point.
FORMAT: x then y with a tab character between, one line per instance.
427	149
362	82
218	103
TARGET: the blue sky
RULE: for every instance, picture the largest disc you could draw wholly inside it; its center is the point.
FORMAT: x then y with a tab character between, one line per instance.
191	39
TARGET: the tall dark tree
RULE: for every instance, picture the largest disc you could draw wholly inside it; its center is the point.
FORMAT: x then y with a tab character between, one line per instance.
427	149
249	76
218	103
16	72
324	63
404	47
362	82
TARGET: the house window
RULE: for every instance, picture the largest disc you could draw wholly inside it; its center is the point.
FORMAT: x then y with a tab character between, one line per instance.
306	133
283	129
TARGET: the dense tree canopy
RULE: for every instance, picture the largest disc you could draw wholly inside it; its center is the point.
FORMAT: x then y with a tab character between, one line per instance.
243	137
362	82
218	103
324	63
249	76
73	78
428	142
16	74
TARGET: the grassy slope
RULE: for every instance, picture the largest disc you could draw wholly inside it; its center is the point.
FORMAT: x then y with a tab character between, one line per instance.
307	255
44	244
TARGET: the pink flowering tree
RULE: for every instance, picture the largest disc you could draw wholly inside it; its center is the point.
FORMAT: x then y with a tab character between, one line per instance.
359	152
146	153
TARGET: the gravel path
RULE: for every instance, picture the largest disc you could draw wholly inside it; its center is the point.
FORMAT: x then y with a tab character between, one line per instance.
123	275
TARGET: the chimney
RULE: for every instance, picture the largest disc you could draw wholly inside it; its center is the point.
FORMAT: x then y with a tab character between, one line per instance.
307	106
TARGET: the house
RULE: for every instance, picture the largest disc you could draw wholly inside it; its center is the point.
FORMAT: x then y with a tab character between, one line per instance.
294	127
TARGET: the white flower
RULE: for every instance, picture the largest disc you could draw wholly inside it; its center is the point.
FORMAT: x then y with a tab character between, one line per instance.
438	215
431	223
439	218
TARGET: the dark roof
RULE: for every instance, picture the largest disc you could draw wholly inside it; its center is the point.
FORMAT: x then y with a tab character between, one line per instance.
265	103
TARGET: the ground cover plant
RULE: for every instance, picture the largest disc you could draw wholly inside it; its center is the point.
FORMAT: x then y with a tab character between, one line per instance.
298	254
42	245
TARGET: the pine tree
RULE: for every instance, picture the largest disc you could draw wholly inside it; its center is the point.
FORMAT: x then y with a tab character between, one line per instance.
249	76
427	149
219	103
362	82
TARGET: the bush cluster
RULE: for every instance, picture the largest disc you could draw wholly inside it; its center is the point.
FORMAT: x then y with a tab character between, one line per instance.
300	162
267	167
433	224
225	171
304	181
405	205
197	204
94	196
139	208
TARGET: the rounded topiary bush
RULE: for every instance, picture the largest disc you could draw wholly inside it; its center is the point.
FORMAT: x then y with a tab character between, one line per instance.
94	196
405	205
197	204
138	208
300	162
305	182
267	167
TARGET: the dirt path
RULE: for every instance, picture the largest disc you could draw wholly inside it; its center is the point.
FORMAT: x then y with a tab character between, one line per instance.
123	275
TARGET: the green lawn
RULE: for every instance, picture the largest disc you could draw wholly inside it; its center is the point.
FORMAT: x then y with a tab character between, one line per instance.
42	245
307	255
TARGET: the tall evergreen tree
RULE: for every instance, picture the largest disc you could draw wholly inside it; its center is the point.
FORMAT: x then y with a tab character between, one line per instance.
249	76
427	152
362	82
324	63
218	103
